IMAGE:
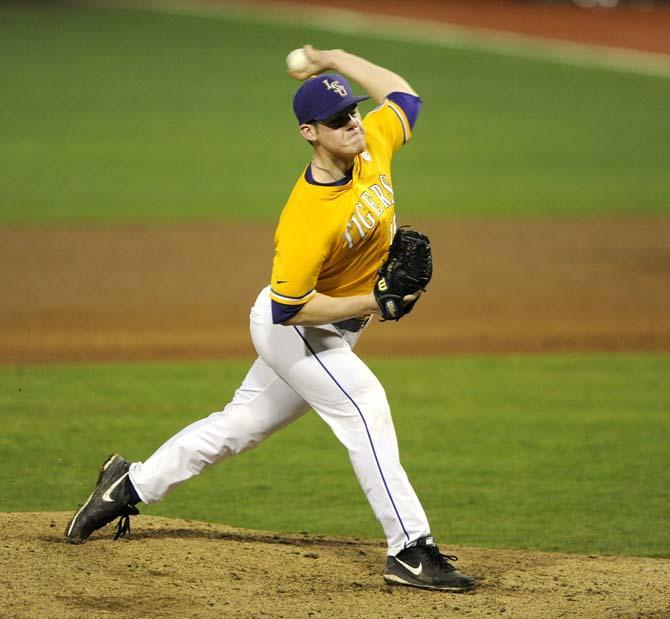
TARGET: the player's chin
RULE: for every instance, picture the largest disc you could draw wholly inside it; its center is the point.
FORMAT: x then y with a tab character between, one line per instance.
357	145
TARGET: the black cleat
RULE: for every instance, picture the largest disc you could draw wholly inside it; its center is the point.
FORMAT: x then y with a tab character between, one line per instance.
424	566
109	500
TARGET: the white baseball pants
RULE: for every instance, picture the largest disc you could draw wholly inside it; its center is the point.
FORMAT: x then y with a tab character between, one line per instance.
299	368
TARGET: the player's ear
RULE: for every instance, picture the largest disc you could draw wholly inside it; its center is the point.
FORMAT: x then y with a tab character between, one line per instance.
308	132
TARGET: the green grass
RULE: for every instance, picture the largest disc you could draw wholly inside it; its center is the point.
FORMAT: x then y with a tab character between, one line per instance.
555	453
113	115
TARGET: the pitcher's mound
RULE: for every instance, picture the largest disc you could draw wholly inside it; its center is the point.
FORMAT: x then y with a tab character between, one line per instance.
178	568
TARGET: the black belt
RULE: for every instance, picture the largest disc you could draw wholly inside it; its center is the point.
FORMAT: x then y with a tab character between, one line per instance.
353	324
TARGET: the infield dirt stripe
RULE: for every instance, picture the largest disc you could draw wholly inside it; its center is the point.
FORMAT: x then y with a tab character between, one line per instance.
183	292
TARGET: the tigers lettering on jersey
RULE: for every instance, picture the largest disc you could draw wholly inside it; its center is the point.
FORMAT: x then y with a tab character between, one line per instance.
333	238
366	215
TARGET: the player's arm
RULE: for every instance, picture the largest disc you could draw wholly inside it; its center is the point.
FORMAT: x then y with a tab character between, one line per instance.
377	81
322	309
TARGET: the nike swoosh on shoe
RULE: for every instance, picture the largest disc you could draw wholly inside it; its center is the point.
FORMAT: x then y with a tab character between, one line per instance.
108	493
415	570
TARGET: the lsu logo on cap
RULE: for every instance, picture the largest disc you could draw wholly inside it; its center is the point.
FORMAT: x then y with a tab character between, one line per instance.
336	86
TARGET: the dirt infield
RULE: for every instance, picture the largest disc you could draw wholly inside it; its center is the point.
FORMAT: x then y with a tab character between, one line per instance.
176	568
639	28
184	292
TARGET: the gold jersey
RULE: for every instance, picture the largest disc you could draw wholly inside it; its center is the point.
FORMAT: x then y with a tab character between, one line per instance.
333	238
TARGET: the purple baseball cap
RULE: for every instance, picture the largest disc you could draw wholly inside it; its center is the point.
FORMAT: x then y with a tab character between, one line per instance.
323	96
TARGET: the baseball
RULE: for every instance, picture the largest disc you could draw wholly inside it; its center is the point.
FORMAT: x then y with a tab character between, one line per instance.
297	61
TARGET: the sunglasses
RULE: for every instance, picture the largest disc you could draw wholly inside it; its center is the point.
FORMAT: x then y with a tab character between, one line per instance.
341	119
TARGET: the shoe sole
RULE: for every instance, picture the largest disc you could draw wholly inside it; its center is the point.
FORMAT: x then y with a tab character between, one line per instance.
392	579
103	467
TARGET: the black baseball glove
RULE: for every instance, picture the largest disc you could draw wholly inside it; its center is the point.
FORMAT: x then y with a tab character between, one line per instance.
407	270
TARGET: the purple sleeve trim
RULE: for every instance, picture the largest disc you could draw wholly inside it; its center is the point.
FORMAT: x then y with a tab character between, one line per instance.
410	104
281	312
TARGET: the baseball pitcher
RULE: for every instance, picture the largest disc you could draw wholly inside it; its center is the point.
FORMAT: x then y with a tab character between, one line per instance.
339	259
